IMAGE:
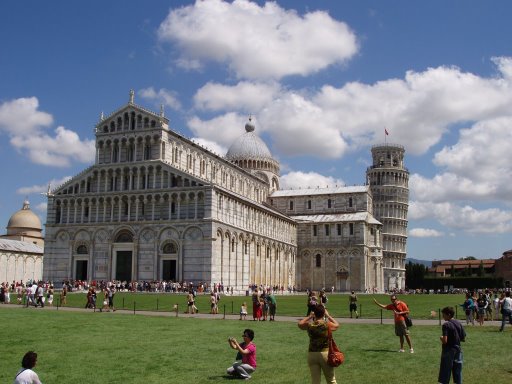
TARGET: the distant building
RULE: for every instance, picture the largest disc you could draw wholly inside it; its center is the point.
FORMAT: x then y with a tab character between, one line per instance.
504	268
158	206
445	268
21	249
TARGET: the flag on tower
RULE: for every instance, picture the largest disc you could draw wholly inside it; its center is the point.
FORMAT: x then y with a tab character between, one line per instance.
386	131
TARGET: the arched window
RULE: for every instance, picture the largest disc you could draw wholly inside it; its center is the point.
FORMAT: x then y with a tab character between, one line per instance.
82	250
170	248
147	152
318	260
124	237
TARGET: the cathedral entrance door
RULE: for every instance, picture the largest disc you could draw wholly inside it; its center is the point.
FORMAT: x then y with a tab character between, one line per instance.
123	265
169	270
81	270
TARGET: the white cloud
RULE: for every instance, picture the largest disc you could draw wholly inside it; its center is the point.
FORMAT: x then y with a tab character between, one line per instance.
21	117
417	110
248	96
43	188
257	42
224	129
57	151
424	232
41	207
162	96
297	179
466	218
212	146
25	125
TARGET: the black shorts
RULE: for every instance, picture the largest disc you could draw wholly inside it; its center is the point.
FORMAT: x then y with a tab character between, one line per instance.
353	307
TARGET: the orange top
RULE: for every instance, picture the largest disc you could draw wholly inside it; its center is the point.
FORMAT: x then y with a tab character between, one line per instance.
398	306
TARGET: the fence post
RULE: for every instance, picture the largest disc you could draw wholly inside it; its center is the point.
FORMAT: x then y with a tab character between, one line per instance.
123	302
157	303
134	307
177	309
360	311
439	315
381	316
231	307
456	311
224	317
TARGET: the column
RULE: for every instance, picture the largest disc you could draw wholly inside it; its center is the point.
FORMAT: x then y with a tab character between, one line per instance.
68	213
74	214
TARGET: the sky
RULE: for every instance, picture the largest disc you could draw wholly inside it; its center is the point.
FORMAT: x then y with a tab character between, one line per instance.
323	80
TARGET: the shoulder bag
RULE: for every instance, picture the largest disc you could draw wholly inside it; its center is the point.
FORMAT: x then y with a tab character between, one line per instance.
335	356
407	318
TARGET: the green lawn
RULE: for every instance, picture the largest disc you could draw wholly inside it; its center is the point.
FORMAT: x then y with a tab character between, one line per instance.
421	306
87	347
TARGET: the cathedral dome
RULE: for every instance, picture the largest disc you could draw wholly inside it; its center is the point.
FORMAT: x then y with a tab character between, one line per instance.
24	221
248	146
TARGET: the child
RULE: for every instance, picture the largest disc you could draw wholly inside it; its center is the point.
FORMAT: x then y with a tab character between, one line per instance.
105	302
243	311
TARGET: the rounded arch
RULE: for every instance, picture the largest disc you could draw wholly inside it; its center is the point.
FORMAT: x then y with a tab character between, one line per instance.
124	236
169	247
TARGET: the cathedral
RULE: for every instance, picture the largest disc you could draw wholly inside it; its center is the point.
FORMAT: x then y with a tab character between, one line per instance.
158	206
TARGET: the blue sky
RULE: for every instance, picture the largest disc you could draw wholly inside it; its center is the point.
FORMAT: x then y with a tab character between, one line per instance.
321	78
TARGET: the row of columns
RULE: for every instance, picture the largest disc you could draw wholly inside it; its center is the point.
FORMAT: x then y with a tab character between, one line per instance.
119	209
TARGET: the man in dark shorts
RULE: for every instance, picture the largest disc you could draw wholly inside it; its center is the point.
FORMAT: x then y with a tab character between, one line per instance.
352	300
400	310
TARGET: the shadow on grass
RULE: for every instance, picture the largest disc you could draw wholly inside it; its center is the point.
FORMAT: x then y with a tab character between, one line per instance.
380	350
225	377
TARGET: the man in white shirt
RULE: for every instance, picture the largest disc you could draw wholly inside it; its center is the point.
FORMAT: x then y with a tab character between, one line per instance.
506	310
39	295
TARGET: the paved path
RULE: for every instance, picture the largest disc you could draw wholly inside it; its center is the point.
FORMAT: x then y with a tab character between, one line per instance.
342	320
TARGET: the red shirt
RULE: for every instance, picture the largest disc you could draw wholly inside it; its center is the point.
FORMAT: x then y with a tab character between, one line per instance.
398	306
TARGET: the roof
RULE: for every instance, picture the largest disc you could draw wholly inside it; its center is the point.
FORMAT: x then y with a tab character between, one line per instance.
321	191
463	263
249	147
336	218
19	246
24	218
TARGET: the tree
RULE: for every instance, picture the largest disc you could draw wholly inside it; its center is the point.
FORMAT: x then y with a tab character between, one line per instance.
481	270
414	275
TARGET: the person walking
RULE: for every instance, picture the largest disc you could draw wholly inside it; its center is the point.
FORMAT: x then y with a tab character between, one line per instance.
318	324
26	375
352	304
39	294
451	356
506	309
272	304
400	310
481	304
468	306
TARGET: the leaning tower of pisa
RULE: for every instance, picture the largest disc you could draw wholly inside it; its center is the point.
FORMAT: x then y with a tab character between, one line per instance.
389	180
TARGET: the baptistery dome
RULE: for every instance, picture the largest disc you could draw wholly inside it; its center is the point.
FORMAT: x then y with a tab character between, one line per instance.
24	221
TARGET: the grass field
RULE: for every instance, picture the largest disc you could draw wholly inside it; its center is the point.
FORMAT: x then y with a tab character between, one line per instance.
87	347
421	306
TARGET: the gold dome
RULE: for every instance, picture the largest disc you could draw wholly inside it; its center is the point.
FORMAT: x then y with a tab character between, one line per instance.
24	221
